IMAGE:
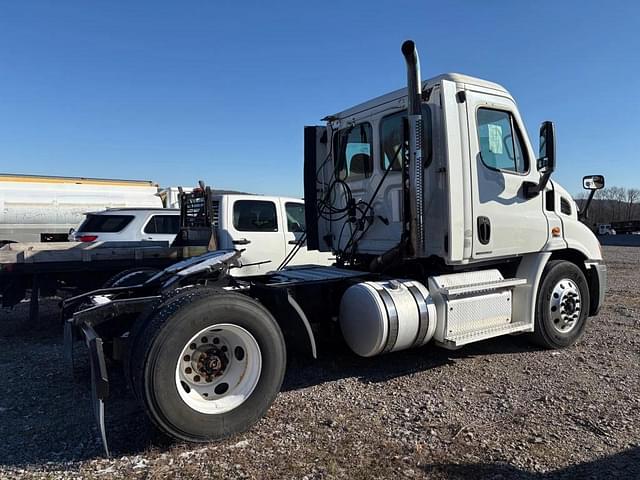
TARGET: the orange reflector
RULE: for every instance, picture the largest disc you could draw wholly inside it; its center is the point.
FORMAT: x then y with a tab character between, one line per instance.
555	231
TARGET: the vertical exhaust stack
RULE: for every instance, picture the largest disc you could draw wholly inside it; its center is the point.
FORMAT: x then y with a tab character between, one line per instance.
413	169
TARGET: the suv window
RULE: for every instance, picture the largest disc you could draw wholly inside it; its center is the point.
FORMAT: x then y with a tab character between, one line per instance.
354	147
163	224
255	216
393	144
105	223
501	145
295	216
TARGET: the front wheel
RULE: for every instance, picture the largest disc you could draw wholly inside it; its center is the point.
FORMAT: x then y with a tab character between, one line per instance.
208	366
562	305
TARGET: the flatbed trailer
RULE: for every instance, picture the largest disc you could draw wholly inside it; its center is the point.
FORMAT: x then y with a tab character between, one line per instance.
625	227
43	269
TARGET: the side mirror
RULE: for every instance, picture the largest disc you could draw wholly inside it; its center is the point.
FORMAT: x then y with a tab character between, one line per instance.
593	182
546	161
547	153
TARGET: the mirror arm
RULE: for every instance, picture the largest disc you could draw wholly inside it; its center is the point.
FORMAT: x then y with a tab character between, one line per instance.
544	179
531	189
584	212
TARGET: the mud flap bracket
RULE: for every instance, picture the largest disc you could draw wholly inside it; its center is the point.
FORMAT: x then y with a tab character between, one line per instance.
99	380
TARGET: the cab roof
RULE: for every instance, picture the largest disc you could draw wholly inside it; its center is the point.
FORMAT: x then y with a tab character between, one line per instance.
429	83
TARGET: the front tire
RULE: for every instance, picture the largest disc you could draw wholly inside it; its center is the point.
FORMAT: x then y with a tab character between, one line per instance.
206	367
562	305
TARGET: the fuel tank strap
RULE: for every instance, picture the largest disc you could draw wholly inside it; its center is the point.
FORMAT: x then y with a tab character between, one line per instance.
392	315
423	318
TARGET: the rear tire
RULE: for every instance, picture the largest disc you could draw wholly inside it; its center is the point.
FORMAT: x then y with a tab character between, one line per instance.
195	326
562	305
190	292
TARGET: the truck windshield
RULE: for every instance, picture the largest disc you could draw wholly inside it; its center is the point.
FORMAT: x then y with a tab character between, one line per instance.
105	223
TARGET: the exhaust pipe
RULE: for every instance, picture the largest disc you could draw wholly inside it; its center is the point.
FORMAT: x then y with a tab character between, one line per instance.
413	170
414	86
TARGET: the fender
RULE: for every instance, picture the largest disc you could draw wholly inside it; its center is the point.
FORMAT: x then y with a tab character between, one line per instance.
303	319
524	296
290	316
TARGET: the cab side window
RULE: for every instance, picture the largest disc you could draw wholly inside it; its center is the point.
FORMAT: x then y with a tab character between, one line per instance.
354	150
295	217
394	146
501	144
255	216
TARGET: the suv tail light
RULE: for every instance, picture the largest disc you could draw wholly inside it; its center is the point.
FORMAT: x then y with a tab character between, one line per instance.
87	238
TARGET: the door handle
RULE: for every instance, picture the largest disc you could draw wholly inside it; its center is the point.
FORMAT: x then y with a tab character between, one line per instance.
241	241
295	242
484	230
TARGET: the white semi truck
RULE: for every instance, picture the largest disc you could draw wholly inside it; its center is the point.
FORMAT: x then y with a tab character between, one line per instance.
447	230
37	208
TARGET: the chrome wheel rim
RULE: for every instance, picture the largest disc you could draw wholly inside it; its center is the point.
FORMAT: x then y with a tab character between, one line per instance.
565	306
218	369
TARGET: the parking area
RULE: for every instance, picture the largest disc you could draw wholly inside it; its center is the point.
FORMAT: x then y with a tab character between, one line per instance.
498	409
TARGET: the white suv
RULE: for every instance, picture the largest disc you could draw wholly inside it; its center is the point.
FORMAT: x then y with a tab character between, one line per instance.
129	225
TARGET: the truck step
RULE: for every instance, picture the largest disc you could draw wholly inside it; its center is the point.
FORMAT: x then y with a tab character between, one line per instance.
455	341
474	306
467	283
482	287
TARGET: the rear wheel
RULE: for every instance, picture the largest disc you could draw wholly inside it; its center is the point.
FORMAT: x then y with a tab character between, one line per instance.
562	305
208	366
172	299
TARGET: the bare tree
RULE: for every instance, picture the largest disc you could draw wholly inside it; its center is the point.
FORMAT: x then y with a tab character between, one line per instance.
618	195
607	195
633	194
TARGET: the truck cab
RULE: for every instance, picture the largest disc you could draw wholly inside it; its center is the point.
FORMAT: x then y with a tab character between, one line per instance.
480	173
439	182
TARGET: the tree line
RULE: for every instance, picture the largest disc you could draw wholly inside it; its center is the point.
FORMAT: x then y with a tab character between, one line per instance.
612	204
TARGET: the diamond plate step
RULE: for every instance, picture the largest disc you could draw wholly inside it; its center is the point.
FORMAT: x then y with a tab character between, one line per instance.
455	341
481	287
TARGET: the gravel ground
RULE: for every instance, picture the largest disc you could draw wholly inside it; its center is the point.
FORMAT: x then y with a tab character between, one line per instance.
500	409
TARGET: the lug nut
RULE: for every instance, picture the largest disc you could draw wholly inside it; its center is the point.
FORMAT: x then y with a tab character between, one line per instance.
193	346
196	378
188	370
216	340
187	358
205	339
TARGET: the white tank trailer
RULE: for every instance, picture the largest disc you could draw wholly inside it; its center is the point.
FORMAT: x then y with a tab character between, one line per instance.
44	208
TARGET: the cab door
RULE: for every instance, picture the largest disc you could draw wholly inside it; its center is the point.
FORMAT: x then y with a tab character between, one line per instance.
505	220
254	228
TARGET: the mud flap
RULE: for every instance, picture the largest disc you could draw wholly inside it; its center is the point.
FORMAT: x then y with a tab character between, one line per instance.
99	380
68	346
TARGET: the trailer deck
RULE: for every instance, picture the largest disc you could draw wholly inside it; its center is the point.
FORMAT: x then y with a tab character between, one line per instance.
45	268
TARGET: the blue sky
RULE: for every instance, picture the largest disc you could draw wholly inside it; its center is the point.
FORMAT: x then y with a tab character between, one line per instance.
179	91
